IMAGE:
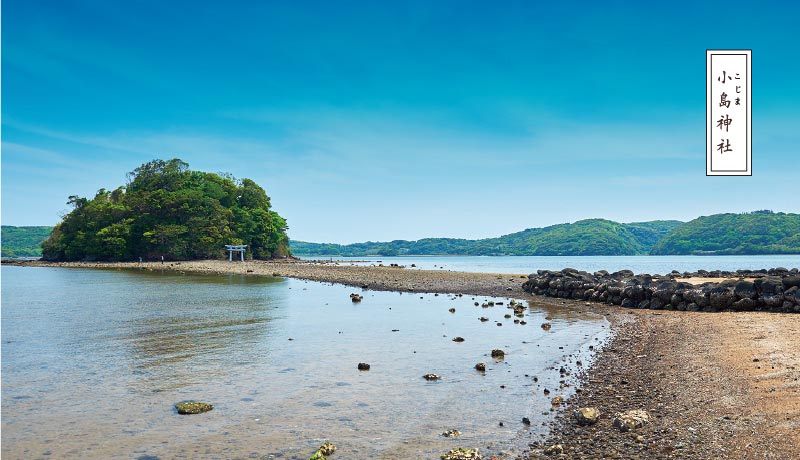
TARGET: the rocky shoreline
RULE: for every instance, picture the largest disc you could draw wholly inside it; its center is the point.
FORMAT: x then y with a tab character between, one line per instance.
714	385
776	289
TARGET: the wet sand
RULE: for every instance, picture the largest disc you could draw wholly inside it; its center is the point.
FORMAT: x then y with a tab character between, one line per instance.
715	385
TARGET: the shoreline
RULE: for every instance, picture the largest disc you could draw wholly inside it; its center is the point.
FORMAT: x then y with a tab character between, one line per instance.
715	385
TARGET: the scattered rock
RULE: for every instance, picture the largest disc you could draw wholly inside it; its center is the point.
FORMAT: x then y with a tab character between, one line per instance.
546	326
458	339
630	420
451	434
557	401
586	415
356	298
452	310
462	454
498	353
192	407
526	421
431	377
325	450
555	449
363	366
484	319
481	367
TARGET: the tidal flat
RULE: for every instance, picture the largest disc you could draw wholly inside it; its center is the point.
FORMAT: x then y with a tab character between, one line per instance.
94	362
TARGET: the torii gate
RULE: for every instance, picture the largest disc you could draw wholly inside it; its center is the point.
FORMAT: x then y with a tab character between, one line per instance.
240	248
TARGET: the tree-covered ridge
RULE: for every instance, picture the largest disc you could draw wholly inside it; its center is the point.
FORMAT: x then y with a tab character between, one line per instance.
23	241
582	238
760	232
168	210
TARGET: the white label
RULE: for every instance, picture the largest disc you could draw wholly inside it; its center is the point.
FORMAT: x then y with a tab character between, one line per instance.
728	113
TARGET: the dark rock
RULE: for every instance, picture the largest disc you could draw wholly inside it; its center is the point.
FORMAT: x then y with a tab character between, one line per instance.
363	366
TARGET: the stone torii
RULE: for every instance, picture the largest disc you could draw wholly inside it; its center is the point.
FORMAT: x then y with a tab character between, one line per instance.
231	248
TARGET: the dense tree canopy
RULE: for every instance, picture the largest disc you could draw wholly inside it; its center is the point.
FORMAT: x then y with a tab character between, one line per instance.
167	209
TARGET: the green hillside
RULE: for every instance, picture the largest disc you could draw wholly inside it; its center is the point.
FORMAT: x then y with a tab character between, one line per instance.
23	241
582	238
760	232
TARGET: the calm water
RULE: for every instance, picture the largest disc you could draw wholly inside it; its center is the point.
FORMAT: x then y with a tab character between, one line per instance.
529	264
94	360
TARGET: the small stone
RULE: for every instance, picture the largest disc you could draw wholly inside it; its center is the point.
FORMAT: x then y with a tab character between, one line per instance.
431	377
192	407
630	420
452	310
498	353
555	449
451	434
484	319
458	339
546	326
586	415
325	450
526	421
356	298
480	367
462	454
557	401
363	366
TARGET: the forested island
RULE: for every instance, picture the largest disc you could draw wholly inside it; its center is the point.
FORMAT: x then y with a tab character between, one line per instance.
169	210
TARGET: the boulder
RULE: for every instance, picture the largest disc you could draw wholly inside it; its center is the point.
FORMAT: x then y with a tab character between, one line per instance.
498	353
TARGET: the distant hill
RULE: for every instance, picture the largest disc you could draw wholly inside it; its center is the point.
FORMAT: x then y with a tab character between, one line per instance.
583	238
23	241
760	232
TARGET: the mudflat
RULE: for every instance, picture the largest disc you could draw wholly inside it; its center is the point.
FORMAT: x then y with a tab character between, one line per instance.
714	385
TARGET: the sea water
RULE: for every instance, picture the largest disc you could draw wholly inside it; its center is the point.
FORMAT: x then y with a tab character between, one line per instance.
93	362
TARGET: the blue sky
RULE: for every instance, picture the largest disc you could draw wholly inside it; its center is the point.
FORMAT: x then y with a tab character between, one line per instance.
397	120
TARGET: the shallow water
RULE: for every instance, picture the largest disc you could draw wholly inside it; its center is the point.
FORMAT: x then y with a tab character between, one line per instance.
93	362
529	264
